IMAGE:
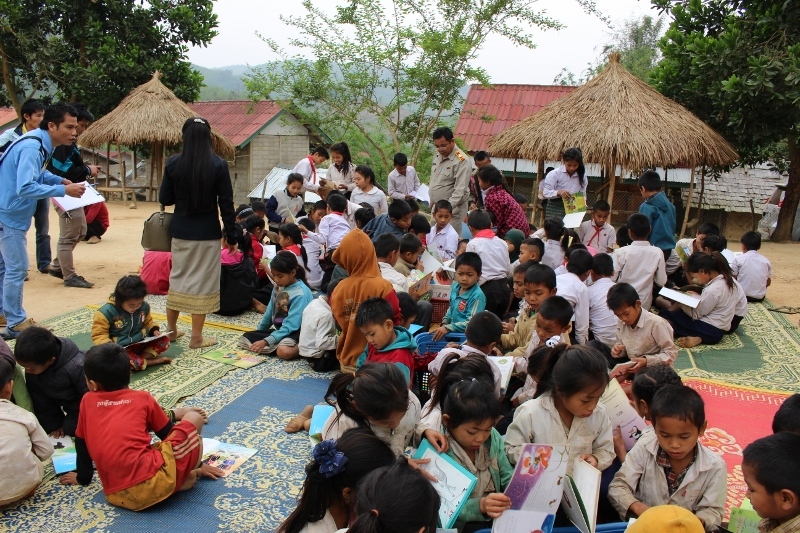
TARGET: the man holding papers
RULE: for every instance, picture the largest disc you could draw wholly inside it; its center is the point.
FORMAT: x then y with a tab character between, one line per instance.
23	181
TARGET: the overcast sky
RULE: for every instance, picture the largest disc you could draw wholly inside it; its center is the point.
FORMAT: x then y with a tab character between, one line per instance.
573	47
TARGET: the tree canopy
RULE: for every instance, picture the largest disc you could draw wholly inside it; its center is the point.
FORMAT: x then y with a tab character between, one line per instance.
736	65
97	51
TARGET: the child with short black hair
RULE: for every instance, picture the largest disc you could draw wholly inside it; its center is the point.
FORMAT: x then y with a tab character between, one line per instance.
286	205
571	286
752	270
602	321
597	232
641	336
659	211
623	236
531	249
386	343
366	190
403	180
496	266
318	210
333	226
787	418
420	227
363	216
414	205
395	221
466	295
639	263
442	237
673	468
553	248
307	168
126	320
410	249
259	208
647	382
408	309
517	338
54	378
113	418
318	338
24	443
772	472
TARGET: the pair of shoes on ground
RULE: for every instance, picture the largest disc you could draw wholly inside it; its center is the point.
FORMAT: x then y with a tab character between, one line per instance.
12	333
74	281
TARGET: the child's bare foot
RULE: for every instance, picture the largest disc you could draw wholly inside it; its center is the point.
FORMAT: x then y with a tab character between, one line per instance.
191	480
258	307
159	361
181	411
202	342
298	422
175	335
688	342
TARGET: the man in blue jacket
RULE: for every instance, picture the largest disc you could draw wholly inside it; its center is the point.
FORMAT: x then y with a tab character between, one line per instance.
24	180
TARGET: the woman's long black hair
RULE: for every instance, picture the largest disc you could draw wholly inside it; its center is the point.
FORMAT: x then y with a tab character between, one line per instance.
194	166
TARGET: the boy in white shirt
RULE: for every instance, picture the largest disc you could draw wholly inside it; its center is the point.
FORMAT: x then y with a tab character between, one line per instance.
640	264
597	232
307	167
318	336
572	288
496	266
751	269
443	239
602	321
313	251
333	226
403	180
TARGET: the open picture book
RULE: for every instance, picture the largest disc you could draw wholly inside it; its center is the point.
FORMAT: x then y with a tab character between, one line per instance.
680	297
65	457
622	414
236	358
227	457
455	483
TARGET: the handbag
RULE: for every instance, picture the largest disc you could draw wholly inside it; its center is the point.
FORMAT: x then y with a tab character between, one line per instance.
155	234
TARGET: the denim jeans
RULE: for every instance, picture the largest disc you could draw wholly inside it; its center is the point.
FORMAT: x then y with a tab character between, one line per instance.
13	269
41	221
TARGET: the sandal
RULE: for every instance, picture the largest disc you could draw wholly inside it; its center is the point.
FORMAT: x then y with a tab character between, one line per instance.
178	335
207	341
298	422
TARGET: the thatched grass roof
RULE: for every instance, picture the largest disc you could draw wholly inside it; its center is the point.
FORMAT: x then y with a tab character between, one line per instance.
150	114
616	117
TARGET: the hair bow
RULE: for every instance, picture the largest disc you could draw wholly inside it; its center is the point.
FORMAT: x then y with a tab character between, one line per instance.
553	341
331	461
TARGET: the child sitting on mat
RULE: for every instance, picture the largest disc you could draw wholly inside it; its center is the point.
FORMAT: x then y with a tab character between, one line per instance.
126	320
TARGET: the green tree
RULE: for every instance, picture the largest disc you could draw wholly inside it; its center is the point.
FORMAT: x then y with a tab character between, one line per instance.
390	72
736	65
97	51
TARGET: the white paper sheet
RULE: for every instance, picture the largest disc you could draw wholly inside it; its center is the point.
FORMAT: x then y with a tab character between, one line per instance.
422	194
680	297
429	264
574	220
506	366
584	489
90	196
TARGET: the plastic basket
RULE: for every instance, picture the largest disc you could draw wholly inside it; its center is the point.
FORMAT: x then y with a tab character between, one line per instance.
427	350
440	308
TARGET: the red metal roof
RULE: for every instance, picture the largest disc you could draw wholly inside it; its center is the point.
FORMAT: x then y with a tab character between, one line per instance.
7	116
238	120
503	106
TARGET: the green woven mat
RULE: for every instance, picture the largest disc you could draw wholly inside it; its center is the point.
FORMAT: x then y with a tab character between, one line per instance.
764	353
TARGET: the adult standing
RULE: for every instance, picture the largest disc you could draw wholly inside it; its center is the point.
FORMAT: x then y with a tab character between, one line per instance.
196	181
32	114
561	183
450	175
23	181
68	163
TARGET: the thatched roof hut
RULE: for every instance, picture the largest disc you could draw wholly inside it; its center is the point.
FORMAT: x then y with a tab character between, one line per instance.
616	119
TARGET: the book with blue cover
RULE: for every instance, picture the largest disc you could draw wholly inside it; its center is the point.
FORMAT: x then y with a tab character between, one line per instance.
454	482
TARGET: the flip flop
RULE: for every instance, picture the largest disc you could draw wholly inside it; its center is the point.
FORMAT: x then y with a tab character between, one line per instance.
207	341
296	424
178	335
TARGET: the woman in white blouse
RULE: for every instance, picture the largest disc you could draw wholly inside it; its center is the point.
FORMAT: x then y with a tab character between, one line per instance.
568	179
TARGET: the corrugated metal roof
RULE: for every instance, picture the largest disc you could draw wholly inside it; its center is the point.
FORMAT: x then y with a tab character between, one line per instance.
488	111
733	190
276	180
238	120
8	117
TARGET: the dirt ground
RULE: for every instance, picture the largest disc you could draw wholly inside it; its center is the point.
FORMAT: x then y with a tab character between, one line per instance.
120	253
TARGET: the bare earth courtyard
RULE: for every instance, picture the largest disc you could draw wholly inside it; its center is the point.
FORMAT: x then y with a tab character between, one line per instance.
120	253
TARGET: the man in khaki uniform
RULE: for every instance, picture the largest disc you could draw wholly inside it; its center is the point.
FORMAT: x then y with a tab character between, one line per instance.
450	175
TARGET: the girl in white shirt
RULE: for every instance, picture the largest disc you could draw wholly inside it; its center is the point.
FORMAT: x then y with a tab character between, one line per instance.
331	479
565	181
341	173
367	192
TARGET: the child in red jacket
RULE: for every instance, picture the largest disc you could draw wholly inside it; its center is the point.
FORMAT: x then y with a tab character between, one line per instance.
386	343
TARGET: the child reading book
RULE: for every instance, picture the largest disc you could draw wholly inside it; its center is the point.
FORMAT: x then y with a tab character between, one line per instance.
403	180
318	338
602	321
772	472
674	468
466	296
286	205
515	341
332	477
386	343
554	250
126	320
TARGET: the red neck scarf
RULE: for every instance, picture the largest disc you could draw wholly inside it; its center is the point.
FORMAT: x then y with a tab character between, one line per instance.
484	234
313	169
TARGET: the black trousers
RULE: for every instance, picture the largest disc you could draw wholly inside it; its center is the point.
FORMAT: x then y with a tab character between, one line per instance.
497	294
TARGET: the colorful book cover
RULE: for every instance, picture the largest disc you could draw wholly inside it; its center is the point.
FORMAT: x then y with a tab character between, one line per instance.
576	203
581	495
622	413
234	358
227	457
65	456
321	414
455	483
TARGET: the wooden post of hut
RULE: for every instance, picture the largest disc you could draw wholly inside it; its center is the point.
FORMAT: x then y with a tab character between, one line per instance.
612	175
689	202
535	194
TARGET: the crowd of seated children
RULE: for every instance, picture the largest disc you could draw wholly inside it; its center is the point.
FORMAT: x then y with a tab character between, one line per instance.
442	238
376	396
367	192
279	329
286	205
396	220
643	338
518	330
602	321
497	200
495	268
114	417
752	270
126	320
673	467
327	499
554	249
403	181
711	319
24	443
410	250
572	288
386	343
639	263
466	295
54	378
597	232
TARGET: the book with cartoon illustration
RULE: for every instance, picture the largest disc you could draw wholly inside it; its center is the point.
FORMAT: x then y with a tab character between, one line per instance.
454	482
238	359
227	457
622	414
575	203
64	456
581	495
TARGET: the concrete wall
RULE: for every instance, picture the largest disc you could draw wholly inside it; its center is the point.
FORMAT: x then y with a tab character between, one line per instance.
240	174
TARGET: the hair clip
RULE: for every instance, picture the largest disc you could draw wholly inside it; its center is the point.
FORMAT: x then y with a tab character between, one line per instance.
553	341
331	461
200	121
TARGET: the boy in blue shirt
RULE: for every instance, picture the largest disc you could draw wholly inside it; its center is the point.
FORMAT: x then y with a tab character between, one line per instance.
659	210
466	296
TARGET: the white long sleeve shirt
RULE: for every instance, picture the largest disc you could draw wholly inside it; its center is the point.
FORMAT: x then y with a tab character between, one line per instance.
494	256
332	229
401	186
374	197
306	168
445	242
640	264
318	333
571	288
558	180
602	320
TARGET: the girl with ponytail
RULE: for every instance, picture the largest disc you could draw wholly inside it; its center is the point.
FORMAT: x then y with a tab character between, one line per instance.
711	319
291	239
566	408
327	499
